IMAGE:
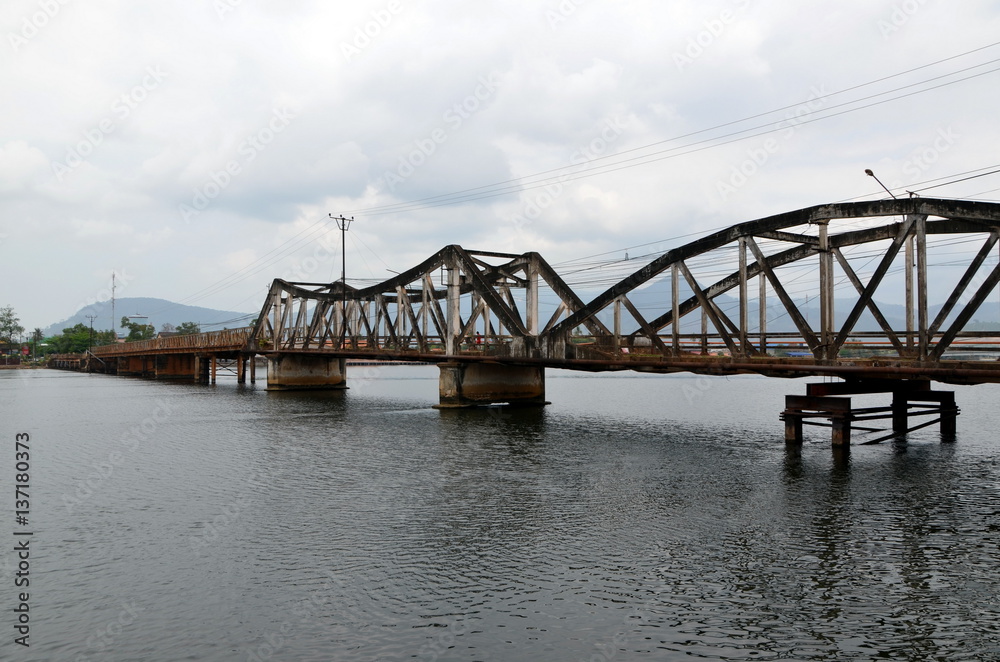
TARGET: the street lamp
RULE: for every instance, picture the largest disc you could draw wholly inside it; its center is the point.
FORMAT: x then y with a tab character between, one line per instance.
343	224
872	174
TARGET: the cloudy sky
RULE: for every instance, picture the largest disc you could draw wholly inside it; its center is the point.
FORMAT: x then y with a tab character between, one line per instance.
197	149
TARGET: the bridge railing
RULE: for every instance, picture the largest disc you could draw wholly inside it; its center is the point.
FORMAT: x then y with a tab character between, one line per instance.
971	345
227	339
393	346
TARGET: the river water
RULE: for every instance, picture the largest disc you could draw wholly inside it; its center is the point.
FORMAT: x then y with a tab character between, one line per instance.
638	517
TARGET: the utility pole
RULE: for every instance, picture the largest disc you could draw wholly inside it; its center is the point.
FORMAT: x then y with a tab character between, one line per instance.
114	325
343	224
91	318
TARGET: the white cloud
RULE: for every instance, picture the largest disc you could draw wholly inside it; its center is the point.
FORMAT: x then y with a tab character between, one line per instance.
558	81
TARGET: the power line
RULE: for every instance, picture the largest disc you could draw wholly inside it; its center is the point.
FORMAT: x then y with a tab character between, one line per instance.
525	183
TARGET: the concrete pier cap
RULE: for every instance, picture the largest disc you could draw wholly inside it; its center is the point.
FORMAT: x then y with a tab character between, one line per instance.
291	372
478	384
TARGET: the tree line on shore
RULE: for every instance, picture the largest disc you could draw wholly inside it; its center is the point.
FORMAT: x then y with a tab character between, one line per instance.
75	339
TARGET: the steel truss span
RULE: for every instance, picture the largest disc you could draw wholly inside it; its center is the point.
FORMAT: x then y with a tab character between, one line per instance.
799	293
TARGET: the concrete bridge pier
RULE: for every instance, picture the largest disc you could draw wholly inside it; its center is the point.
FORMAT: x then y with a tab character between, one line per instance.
292	372
204	369
175	366
475	384
133	366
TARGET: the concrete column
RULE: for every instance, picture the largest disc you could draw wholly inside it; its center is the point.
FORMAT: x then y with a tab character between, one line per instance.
472	384
201	370
290	372
949	413
793	428
900	412
841	435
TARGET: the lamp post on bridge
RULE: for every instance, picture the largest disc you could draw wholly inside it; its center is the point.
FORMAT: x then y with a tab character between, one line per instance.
343	224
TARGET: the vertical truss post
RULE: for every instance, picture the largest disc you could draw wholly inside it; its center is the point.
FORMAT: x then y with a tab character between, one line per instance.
675	299
909	294
922	340
704	332
454	310
762	305
276	323
826	312
487	325
339	321
531	297
618	325
425	304
402	298
744	296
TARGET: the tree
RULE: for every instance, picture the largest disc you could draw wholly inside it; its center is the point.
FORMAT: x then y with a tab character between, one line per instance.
167	328
77	339
36	337
10	327
138	331
188	328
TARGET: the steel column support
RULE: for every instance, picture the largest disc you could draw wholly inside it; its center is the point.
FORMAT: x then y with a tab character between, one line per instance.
744	296
909	293
921	234
675	302
618	324
454	310
704	332
531	301
762	310
826	312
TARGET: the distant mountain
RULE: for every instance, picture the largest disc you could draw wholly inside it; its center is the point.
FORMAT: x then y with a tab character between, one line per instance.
157	311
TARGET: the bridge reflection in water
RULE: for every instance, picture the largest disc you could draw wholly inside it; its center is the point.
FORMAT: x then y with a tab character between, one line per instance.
479	316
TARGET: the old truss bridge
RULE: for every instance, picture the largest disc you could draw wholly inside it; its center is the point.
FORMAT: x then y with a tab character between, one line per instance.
782	296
